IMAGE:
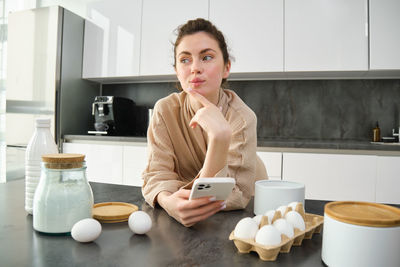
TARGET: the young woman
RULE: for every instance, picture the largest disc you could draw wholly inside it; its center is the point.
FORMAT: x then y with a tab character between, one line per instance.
203	131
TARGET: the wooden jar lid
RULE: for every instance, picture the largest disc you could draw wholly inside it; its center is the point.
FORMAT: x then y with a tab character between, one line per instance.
363	213
110	212
63	161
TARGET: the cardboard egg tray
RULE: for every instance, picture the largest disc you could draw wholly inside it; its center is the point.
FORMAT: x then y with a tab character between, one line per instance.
313	225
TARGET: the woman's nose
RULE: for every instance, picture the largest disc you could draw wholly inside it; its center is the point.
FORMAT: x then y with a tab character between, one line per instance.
196	66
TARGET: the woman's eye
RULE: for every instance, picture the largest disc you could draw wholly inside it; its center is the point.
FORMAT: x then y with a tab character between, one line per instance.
184	60
208	57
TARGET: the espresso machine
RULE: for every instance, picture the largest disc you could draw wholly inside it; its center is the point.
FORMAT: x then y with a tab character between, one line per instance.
117	116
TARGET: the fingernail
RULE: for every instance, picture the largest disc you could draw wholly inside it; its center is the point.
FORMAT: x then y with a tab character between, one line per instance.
223	203
223	207
220	108
213	198
189	89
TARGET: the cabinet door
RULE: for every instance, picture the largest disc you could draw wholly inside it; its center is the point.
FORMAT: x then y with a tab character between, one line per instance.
388	180
104	162
112	39
384	28
159	21
253	31
135	161
273	164
326	35
332	176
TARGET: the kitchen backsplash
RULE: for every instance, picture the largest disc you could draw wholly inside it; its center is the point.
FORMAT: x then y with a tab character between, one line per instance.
301	109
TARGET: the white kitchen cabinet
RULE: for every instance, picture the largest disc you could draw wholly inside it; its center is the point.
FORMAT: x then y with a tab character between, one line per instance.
388	180
159	20
112	39
326	35
135	162
384	39
104	162
273	164
253	31
332	176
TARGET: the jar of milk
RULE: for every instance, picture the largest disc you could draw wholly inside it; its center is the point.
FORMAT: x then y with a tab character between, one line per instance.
63	195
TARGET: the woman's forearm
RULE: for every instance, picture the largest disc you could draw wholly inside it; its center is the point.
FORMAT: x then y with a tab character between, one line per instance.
217	154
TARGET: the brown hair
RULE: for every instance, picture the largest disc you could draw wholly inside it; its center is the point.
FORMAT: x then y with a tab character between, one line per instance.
202	25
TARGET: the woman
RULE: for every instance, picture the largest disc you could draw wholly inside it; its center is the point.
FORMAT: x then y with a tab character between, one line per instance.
203	131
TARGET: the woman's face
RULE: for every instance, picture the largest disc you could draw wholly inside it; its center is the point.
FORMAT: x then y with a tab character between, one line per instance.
200	65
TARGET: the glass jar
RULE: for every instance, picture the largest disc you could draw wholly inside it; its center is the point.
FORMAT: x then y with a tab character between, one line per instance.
63	195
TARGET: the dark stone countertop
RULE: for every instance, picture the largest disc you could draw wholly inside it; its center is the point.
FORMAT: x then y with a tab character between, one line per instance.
330	144
167	244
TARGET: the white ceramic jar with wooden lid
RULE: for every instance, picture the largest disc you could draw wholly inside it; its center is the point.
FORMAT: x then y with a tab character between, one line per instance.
361	234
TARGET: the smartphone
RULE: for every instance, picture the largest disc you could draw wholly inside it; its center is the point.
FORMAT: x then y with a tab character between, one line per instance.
220	188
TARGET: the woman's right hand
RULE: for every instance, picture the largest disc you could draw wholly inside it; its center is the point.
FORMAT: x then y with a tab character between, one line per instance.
188	212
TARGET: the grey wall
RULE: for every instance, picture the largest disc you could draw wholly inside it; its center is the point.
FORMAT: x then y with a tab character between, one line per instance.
302	110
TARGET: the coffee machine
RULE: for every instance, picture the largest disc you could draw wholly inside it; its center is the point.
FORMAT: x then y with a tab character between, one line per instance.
116	116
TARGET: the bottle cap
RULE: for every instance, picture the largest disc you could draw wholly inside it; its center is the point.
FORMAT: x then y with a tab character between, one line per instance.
43	122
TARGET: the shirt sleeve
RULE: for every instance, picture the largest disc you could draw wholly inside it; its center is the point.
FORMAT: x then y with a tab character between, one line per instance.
241	162
159	174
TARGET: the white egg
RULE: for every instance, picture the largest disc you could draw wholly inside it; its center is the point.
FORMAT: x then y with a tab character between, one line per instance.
246	228
293	205
86	230
282	209
270	214
139	222
284	227
268	235
257	219
295	219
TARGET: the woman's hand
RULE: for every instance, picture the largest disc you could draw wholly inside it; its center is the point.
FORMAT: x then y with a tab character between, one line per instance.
188	212
210	119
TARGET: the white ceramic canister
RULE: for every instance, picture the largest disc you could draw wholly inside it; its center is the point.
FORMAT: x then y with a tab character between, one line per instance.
41	142
361	234
270	194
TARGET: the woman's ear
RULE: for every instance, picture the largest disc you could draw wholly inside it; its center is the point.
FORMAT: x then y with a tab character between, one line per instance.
227	69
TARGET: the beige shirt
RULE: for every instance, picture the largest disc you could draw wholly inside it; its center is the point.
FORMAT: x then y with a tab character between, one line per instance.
176	152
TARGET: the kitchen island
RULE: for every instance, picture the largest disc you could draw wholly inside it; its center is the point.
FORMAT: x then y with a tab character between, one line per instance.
167	244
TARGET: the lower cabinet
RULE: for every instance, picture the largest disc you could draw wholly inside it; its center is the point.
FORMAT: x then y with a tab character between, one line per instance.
104	162
273	164
388	180
134	163
333	176
326	176
114	164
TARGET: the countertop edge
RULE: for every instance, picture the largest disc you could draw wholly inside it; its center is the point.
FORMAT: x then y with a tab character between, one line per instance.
356	148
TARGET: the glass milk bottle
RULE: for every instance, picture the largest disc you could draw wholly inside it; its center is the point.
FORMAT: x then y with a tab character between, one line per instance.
42	142
63	196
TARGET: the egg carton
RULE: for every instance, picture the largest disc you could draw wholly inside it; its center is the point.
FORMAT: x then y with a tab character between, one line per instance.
313	225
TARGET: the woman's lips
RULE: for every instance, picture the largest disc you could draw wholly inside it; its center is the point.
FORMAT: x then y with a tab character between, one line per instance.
196	82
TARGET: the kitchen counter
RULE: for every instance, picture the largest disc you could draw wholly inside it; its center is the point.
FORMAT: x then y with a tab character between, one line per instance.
167	244
276	145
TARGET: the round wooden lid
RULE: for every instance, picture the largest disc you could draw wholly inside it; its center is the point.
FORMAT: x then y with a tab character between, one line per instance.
363	213
63	158
113	211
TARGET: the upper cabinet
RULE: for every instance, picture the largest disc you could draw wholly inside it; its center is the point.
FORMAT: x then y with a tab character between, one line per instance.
384	16
112	39
159	21
253	32
133	39
326	35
